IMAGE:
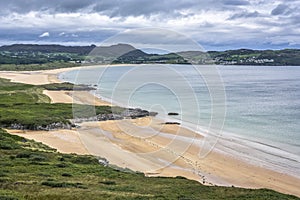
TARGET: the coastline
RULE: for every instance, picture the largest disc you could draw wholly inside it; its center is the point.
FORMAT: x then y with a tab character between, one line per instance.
41	77
216	168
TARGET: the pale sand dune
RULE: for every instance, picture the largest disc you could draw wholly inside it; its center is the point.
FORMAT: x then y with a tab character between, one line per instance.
79	97
65	141
44	76
35	77
146	145
58	96
28	78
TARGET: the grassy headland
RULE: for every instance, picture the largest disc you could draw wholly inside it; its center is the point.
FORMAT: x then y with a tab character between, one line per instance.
25	105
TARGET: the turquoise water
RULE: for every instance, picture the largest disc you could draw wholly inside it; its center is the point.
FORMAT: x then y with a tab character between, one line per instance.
262	104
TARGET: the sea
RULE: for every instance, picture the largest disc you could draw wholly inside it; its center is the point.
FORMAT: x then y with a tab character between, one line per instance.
247	112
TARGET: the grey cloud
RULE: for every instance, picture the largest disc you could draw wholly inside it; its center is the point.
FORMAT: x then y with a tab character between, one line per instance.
165	7
236	2
281	9
70	5
112	8
116	8
20	6
295	20
245	14
141	7
251	27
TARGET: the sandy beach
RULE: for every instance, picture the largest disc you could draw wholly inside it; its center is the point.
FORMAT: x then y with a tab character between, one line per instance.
79	97
35	77
148	145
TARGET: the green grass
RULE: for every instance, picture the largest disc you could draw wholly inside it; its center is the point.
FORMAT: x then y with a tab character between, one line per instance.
30	170
26	105
31	115
16	93
58	86
34	67
65	86
6	85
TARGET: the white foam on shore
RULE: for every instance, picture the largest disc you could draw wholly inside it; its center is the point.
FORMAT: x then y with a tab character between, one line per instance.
256	153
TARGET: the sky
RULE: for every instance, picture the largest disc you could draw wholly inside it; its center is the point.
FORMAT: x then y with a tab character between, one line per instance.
214	24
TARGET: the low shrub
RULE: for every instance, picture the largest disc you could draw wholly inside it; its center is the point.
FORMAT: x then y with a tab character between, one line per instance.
84	160
66	175
55	184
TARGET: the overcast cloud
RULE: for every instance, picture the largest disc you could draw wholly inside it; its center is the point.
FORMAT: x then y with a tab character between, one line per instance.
215	24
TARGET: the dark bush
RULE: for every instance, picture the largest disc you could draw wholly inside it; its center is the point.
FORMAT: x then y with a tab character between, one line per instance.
8	145
108	182
23	155
61	184
38	158
4	197
84	160
66	175
62	165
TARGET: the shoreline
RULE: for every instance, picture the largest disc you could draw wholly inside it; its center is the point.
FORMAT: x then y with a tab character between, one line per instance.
239	141
41	77
216	168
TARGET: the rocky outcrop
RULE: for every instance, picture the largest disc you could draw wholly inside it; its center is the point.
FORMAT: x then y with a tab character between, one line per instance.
52	126
173	113
177	123
129	113
103	161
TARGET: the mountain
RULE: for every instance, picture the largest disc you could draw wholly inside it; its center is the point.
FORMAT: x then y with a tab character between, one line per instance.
112	51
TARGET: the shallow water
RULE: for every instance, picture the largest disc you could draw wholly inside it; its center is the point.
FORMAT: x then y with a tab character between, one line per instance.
262	104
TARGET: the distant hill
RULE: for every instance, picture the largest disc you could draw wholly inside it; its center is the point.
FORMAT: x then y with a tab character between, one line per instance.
51	48
257	57
125	53
111	51
21	54
109	54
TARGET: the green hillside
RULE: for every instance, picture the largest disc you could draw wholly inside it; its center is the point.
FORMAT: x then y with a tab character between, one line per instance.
36	57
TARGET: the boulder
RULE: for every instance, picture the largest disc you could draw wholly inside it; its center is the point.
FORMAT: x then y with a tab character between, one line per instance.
173	113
